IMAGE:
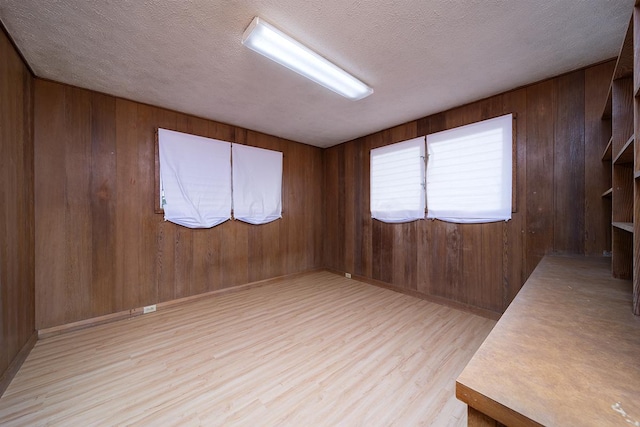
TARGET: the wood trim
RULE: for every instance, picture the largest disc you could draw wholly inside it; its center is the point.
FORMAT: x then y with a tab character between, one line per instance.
138	311
487	314
17	362
156	174
476	418
514	164
485	405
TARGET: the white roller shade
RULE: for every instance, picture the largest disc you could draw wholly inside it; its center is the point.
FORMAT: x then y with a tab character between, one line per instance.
469	172
397	181
195	174
257	184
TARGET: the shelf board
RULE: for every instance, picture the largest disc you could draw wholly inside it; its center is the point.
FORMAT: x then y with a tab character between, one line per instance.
636	174
606	155
626	226
606	110
607	194
624	65
626	153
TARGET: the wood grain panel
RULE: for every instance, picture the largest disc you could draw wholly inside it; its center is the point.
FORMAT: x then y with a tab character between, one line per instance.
49	125
597	133
17	228
540	168
104	250
514	232
490	294
569	164
127	259
481	266
365	266
78	233
331	185
636	174
103	199
166	273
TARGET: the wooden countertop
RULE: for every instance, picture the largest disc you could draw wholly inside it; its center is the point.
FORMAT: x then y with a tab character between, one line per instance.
565	353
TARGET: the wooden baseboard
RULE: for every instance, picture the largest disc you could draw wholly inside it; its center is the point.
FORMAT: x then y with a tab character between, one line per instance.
138	311
16	363
487	314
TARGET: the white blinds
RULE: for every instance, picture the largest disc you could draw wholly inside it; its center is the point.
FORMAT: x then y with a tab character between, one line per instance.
397	181
257	184
469	172
195	174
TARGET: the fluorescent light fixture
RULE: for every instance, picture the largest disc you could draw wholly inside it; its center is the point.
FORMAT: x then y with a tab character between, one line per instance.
277	46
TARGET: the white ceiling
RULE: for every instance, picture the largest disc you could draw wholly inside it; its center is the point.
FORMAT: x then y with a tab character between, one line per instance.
420	56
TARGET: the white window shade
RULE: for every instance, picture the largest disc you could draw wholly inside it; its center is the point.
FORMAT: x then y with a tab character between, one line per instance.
397	181
195	179
257	184
469	172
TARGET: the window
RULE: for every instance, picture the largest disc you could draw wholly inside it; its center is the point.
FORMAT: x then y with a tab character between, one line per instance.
200	187
257	184
195	179
469	172
468	175
397	181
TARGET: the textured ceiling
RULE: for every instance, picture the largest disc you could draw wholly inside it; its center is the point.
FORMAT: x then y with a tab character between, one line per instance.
421	57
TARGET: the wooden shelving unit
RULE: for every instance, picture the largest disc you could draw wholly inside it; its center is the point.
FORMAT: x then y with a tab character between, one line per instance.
635	24
622	110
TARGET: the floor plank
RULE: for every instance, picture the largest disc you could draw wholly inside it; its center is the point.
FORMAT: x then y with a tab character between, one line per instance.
313	350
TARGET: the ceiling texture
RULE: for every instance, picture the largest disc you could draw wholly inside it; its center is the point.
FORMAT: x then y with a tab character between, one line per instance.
420	56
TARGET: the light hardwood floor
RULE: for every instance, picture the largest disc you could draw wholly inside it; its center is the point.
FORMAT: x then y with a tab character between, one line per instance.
315	350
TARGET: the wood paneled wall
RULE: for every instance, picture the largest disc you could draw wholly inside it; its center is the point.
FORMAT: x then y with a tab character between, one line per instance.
560	178
100	248
16	207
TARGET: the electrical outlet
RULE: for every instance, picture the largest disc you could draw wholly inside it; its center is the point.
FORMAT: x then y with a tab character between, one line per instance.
149	309
347	275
